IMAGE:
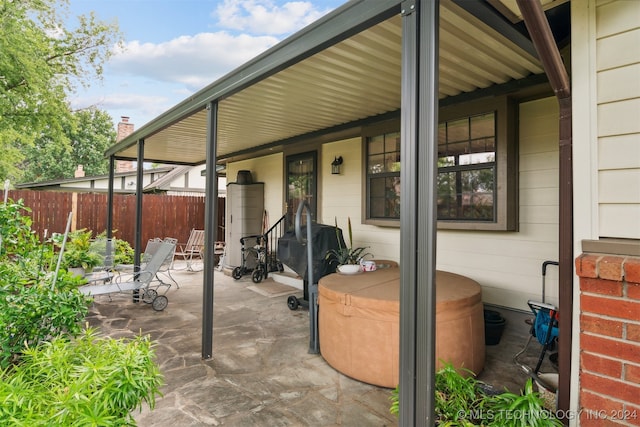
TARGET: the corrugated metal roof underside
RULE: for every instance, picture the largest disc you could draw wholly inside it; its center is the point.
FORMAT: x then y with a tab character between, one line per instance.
354	79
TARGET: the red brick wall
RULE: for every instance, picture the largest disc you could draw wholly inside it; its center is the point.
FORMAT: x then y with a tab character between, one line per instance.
609	340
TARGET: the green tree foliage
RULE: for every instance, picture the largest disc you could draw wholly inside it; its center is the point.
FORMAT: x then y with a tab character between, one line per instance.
85	139
44	57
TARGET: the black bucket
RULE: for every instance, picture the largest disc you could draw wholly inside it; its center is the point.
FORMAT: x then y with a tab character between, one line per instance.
493	327
244	177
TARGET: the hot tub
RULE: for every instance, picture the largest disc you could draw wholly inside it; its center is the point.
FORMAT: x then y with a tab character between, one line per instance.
359	329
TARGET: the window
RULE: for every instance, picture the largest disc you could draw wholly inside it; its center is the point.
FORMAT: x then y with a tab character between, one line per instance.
477	168
382	162
467	168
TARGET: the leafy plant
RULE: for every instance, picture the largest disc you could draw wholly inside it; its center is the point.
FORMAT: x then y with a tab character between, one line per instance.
122	250
346	254
15	229
527	409
456	396
51	373
81	382
77	252
460	402
31	312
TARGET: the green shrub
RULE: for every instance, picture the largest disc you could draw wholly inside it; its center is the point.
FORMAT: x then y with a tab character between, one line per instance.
15	228
77	250
48	376
123	252
32	312
81	382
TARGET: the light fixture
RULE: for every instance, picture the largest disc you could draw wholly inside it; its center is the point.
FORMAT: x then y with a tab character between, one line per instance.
335	165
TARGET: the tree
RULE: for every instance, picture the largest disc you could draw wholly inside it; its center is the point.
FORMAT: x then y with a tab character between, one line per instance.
86	137
43	59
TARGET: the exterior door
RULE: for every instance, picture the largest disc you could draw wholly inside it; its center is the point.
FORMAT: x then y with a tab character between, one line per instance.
302	185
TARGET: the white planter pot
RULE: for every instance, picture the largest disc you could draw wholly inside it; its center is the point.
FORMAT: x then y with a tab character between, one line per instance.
349	269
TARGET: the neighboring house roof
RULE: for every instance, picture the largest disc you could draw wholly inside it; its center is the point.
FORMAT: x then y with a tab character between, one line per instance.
333	76
164	182
125	181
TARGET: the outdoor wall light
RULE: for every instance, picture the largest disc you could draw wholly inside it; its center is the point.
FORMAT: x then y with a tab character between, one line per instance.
335	165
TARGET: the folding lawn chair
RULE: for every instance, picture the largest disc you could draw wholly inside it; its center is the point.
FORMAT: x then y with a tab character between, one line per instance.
192	250
165	268
144	283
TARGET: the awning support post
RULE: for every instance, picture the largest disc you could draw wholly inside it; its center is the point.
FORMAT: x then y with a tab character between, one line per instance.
419	124
210	229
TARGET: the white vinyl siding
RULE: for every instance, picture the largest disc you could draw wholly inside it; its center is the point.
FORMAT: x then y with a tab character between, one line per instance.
618	118
340	199
508	264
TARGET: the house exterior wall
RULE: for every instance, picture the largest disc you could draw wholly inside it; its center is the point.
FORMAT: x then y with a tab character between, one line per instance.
609	340
192	179
341	199
618	117
508	264
606	141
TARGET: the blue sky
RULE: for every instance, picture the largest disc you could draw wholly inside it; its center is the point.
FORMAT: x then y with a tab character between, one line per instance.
173	48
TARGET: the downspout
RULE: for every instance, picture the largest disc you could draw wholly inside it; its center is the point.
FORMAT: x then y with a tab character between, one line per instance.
543	40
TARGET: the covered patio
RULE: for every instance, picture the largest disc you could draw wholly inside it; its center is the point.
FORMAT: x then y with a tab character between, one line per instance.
261	373
366	62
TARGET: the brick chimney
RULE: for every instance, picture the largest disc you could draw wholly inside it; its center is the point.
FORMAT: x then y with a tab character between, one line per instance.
124	130
79	173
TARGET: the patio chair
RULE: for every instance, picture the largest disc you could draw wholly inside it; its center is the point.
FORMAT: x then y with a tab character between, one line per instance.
192	250
165	267
144	283
105	270
218	252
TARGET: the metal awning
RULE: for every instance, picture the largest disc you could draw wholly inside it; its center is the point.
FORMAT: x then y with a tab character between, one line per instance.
344	68
337	72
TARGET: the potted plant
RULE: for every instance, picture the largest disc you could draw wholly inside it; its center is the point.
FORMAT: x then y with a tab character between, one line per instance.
347	258
78	256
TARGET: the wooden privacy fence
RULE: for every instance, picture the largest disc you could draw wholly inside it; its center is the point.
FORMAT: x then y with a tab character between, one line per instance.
162	215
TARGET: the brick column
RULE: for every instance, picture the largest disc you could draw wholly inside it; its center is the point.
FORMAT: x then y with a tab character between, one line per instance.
609	340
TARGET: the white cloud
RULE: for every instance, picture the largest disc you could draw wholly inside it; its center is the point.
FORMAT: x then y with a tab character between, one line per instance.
194	61
265	16
140	108
145	79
